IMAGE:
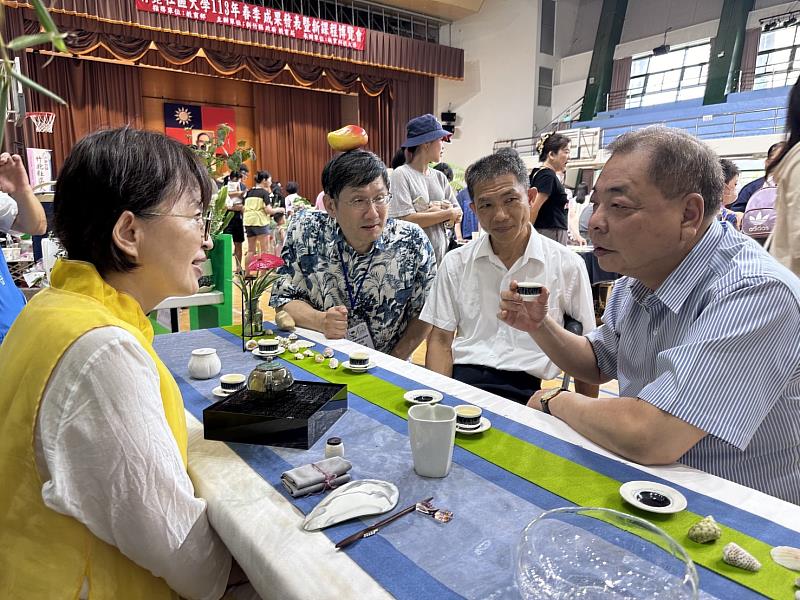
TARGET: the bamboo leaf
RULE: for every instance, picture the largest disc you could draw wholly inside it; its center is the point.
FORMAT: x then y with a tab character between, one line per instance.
36	87
48	24
28	41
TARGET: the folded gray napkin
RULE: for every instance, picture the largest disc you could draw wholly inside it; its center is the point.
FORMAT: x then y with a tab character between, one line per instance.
315	477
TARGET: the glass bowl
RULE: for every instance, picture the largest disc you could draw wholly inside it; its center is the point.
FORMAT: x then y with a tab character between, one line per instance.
599	553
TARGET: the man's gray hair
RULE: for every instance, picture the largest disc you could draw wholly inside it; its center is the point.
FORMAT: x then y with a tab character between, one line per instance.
680	164
505	161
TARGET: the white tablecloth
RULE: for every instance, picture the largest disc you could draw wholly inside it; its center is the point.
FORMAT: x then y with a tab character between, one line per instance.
263	529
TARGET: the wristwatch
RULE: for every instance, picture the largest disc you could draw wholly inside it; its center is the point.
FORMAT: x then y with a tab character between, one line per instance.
545	398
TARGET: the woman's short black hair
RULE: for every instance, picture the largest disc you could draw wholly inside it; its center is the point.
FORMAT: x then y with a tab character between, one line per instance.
111	171
445	168
262	176
552	142
355	168
292	187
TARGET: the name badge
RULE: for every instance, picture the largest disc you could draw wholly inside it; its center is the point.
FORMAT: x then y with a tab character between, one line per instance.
359	333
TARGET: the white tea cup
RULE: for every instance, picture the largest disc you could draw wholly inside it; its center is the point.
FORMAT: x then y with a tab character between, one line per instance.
432	432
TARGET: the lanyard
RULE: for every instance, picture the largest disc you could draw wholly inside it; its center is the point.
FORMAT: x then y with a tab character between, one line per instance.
347	279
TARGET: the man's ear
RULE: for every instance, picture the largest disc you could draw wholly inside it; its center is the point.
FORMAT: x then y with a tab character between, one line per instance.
127	235
330	205
532	192
693	216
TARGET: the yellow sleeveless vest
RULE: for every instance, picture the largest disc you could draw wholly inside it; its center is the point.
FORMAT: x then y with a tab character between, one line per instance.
44	554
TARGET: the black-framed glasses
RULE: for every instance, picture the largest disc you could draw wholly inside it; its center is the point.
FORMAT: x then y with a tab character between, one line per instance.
364	203
202	221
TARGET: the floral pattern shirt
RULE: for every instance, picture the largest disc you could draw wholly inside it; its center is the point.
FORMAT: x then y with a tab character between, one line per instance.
397	274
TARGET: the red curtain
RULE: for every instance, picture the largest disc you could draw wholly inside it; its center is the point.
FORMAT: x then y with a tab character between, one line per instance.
100	95
292	126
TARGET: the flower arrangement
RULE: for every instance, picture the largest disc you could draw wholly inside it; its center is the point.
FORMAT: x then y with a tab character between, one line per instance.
252	287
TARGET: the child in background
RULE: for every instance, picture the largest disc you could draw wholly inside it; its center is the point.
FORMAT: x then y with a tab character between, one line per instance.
292	191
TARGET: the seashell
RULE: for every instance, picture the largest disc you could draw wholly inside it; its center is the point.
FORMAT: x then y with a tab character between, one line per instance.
797	582
797	595
333	363
299	356
268	333
251	344
309	353
292	337
293	347
786	556
319	358
328	353
736	556
705	530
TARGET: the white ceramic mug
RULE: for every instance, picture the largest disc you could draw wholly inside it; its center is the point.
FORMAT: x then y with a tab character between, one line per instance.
432	431
204	363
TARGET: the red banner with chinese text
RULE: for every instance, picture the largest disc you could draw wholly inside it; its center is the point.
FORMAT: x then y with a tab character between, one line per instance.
260	18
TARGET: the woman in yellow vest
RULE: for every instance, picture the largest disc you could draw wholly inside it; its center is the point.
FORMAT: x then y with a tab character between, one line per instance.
258	212
96	501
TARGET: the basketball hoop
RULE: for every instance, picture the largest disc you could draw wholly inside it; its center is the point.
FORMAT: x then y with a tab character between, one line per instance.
42	121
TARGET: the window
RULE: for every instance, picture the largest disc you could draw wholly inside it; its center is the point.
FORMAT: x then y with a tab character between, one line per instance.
547	28
778	59
545	95
678	75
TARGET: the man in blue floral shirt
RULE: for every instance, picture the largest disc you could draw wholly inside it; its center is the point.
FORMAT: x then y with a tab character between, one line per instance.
353	272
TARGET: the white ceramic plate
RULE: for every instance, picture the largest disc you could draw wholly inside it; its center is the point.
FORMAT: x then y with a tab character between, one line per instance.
632	492
346	365
261	354
412	395
219	393
485	424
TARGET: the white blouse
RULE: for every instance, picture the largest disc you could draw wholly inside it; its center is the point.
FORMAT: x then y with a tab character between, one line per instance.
108	459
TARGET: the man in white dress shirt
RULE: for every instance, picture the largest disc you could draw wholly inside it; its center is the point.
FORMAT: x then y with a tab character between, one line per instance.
468	342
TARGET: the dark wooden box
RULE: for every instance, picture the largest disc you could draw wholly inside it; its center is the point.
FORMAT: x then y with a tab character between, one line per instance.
294	418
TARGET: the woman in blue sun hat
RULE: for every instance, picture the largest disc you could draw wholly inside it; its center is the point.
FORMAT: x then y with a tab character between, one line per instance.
421	194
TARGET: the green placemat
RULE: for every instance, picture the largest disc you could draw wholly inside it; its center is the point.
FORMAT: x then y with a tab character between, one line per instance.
572	481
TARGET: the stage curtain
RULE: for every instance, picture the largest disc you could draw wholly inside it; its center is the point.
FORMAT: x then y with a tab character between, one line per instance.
177	54
292	126
385	115
375	115
381	50
100	95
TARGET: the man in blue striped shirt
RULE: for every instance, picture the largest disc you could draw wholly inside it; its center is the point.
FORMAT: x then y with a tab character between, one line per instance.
703	333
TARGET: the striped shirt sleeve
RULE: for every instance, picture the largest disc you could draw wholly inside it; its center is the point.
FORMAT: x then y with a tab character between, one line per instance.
701	380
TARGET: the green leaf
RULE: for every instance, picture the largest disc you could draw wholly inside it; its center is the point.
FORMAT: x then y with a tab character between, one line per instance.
36	87
49	25
3	106
28	41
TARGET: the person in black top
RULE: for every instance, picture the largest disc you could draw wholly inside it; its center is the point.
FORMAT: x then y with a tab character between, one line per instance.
235	204
549	209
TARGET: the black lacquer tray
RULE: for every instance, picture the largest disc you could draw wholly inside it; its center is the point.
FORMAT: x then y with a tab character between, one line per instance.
294	418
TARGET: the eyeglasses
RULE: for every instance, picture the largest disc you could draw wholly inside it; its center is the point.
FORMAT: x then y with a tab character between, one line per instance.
202	221
364	203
